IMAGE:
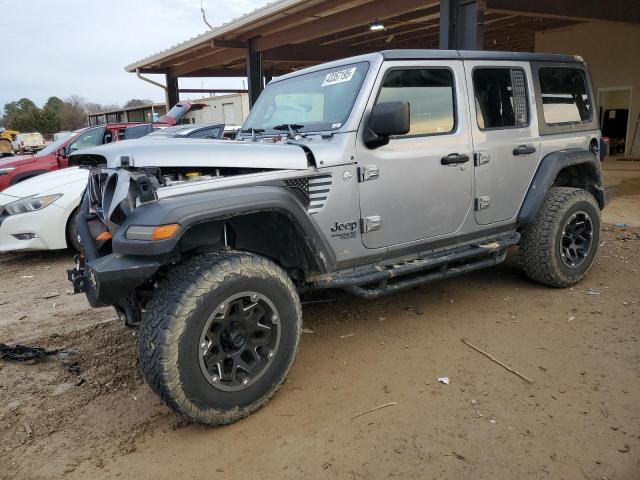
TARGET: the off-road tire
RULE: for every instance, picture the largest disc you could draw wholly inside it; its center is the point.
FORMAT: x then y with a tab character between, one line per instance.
72	232
540	254
169	336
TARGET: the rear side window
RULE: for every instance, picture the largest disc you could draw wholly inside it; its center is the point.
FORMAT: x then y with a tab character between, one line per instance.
565	98
501	98
430	95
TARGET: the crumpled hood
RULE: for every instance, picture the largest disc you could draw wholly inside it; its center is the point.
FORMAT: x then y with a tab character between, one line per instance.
176	152
58	181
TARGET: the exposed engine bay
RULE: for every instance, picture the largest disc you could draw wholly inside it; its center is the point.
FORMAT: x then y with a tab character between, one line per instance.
114	193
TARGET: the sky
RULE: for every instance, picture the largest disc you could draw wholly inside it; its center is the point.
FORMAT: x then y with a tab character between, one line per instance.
66	47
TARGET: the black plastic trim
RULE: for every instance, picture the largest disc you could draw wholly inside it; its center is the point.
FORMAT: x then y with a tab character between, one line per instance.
546	174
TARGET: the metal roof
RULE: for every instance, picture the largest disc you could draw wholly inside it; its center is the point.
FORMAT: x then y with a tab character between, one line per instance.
269	10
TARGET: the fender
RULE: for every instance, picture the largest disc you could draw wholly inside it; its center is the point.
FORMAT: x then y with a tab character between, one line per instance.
547	173
198	208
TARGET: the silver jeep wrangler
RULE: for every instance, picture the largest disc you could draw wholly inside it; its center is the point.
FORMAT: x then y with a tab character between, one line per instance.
372	174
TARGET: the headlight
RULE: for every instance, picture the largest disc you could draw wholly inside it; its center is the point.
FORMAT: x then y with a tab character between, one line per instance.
5	170
30	204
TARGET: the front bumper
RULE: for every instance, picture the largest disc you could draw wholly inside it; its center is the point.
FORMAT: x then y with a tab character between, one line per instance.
43	230
108	279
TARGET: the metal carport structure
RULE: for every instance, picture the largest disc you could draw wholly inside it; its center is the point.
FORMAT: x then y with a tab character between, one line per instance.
291	34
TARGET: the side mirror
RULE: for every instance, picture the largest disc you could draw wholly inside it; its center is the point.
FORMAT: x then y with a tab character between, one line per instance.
62	152
387	119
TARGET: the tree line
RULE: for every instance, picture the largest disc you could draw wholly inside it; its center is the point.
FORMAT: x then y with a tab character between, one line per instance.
56	115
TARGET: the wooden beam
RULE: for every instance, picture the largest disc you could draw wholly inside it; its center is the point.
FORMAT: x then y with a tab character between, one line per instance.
311	53
392	25
214	60
611	10
336	23
217	72
212	90
300	17
219	43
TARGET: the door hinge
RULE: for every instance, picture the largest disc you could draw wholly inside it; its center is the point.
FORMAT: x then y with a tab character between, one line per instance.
481	158
482	203
370	224
368	172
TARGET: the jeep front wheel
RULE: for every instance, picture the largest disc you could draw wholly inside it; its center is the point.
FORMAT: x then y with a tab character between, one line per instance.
219	336
560	245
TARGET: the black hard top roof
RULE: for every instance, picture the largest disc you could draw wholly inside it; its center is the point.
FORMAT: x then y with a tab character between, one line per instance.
477	55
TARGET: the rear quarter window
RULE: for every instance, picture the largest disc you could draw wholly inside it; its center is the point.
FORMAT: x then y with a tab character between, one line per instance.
565	96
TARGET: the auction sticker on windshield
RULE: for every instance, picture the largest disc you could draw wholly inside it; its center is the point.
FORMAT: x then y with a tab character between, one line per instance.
338	77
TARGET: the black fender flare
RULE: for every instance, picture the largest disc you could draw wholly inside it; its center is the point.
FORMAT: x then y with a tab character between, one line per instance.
193	209
547	173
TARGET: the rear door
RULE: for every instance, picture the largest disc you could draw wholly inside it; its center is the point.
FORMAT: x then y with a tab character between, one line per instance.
505	136
419	186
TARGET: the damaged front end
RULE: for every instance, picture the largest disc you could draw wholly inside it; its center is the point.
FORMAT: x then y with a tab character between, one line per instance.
123	221
104	277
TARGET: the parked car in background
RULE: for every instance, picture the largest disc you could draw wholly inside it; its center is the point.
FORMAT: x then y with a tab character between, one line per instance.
203	130
59	135
29	143
39	213
7	141
55	156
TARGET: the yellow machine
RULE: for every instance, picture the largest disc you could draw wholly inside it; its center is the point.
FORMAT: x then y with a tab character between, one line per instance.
6	137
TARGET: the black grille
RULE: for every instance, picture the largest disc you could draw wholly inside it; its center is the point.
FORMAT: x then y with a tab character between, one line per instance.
519	97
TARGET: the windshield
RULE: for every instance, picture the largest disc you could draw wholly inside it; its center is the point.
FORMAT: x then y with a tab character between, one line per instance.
54	146
314	101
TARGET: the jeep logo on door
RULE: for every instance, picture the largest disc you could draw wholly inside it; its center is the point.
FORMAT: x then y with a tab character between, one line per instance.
344	230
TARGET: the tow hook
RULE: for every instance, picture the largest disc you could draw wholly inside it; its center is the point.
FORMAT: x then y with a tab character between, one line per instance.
78	276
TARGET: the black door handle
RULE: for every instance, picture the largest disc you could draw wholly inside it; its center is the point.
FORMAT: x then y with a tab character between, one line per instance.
454	158
524	150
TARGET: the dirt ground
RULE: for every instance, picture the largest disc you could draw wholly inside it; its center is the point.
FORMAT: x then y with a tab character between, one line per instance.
579	419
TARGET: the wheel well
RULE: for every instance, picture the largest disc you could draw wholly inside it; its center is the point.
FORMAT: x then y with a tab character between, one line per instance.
66	225
582	175
271	234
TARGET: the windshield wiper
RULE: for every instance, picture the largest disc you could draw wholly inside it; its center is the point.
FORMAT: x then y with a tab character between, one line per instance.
253	132
292	128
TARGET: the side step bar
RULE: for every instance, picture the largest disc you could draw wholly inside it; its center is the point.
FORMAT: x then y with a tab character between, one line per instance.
425	269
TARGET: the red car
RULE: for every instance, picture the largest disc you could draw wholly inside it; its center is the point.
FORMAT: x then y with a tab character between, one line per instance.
55	155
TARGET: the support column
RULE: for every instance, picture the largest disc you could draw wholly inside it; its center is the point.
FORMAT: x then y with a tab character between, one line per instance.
172	95
462	24
254	73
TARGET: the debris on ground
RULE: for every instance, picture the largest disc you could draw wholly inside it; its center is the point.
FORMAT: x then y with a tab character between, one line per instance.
22	353
51	295
493	359
444	380
390	404
308	331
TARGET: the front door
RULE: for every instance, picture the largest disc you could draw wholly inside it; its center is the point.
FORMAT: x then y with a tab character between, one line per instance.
505	137
419	186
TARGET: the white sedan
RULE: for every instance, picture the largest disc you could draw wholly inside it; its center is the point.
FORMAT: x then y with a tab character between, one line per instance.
39	213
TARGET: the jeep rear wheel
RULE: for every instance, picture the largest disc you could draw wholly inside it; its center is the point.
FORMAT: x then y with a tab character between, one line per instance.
219	336
560	245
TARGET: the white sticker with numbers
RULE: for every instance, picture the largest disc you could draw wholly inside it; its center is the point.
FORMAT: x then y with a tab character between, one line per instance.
339	77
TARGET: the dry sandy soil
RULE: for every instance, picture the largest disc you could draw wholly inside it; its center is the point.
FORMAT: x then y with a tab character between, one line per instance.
579	419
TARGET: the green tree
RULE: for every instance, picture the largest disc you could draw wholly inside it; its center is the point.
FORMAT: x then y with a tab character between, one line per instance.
23	115
50	117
